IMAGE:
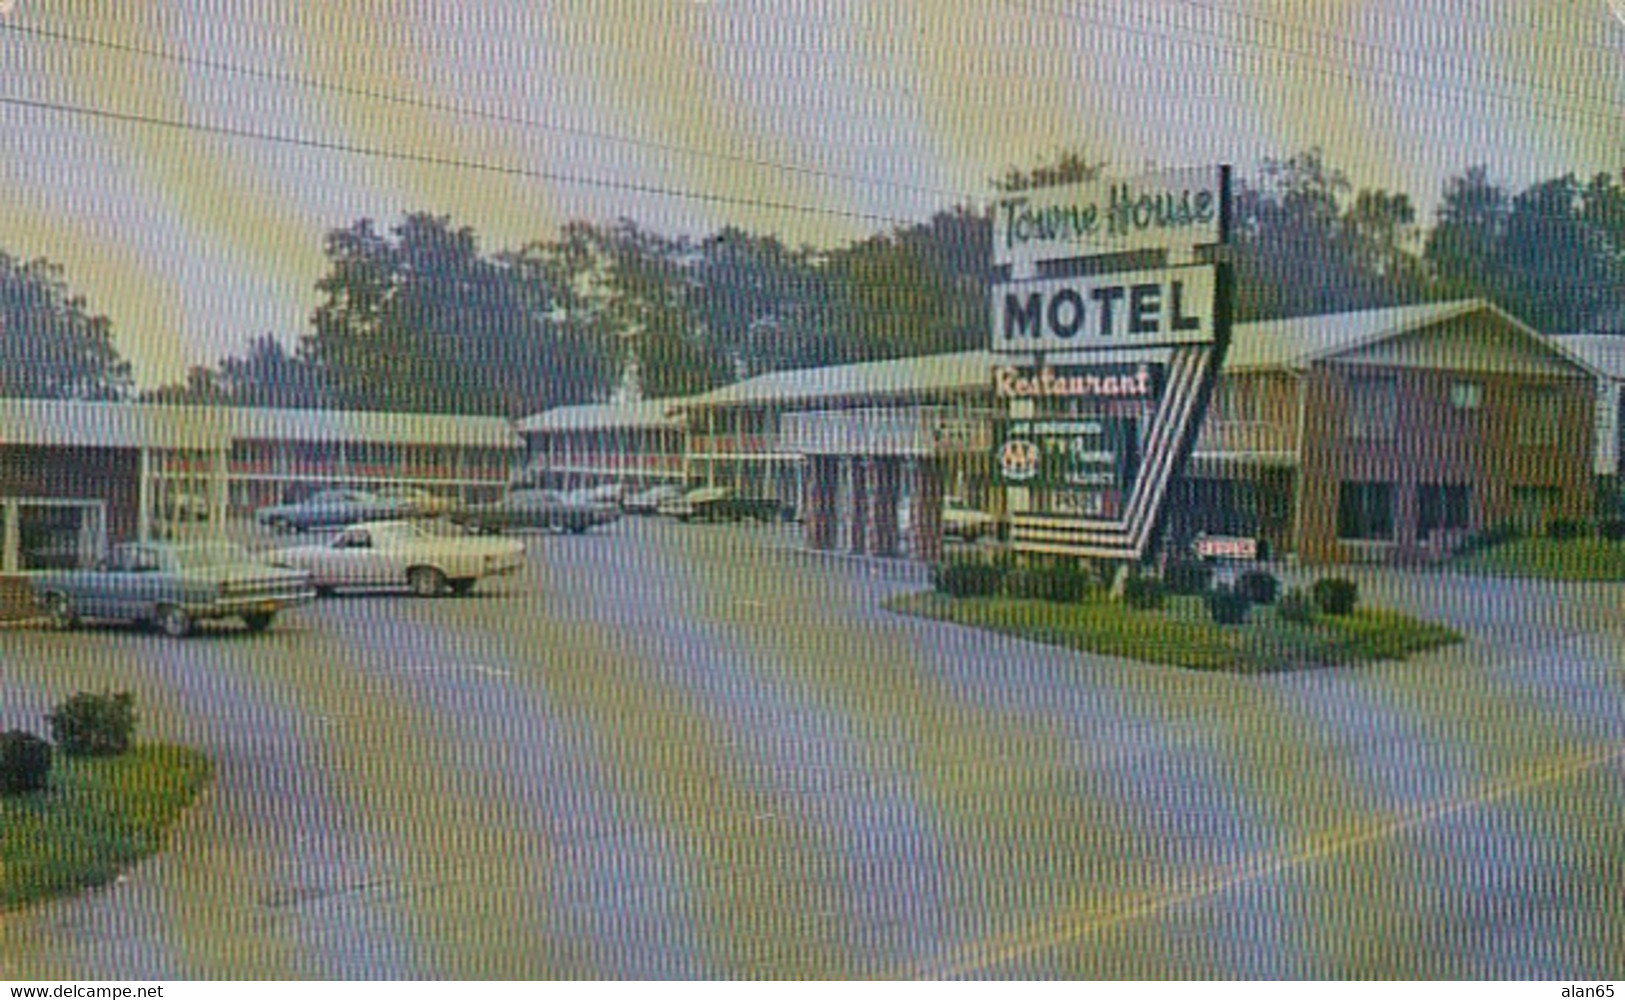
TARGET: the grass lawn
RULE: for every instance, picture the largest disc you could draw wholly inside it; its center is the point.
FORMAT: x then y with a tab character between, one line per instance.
1182	633
99	816
1577	559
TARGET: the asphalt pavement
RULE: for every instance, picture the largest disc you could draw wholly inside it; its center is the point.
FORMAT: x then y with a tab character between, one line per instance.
689	751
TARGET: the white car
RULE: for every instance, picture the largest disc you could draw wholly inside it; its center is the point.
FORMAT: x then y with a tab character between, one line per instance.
428	557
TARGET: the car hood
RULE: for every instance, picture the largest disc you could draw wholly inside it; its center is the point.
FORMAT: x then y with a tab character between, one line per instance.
471	545
246	573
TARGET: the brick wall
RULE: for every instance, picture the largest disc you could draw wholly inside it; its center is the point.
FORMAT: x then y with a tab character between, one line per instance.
16	599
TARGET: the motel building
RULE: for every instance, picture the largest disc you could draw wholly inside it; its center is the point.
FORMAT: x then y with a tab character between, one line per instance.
1383	435
637	444
75	476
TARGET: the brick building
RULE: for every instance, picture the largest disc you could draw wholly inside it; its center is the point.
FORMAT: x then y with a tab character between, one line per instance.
1377	435
75	475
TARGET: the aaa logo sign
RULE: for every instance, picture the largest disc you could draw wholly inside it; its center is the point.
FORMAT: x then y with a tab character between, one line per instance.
1019	460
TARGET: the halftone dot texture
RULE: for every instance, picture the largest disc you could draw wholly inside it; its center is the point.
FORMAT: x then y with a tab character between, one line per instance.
692	751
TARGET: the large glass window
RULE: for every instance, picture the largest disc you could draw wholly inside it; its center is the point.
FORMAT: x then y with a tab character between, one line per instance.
1441	507
1365	511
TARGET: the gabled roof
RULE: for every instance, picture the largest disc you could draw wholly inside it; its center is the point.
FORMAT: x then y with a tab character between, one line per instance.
1302	340
367	427
1273	345
917	376
648	414
77	423
67	422
1604	352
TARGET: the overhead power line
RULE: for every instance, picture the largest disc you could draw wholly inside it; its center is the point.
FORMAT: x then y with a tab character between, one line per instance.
306	142
459	110
1328	64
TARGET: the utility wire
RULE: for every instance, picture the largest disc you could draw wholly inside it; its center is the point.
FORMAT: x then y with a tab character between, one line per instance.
1377	47
459	110
305	142
1319	61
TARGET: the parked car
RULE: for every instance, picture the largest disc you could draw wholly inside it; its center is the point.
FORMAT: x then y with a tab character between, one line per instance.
545	509
410	501
336	508
719	503
648	501
428	557
966	523
173	586
610	493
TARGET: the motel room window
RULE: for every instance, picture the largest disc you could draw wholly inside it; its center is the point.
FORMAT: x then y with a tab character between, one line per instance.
1441	507
1373	408
1466	395
1541	417
1365	511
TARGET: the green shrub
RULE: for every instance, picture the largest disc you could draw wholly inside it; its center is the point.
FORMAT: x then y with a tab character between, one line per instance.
1612	529
1070	582
1063	582
1227	606
1296	606
1335	595
1144	593
94	725
1187	576
1566	529
1259	586
1027	582
1489	538
25	763
967	578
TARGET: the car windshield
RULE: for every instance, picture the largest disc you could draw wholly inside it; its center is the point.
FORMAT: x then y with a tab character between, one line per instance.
206	554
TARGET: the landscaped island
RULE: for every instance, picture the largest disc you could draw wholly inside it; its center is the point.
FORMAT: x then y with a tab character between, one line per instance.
75	815
1185	630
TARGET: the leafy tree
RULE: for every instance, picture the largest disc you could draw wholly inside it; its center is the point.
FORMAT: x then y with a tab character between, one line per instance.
1301	246
268	375
265	376
1466	238
50	345
424	322
918	290
1070	166
756	301
201	388
648	298
1551	255
1559	271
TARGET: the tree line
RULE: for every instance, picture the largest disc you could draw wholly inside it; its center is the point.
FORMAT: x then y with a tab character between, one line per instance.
422	318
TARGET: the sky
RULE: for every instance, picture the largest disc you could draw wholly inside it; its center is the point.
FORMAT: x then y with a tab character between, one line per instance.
136	136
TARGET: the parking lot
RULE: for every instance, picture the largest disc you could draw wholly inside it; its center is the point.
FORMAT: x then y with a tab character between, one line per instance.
688	750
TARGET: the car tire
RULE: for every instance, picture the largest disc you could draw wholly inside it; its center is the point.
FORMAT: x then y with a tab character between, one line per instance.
59	611
460	588
174	622
426	581
258	621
